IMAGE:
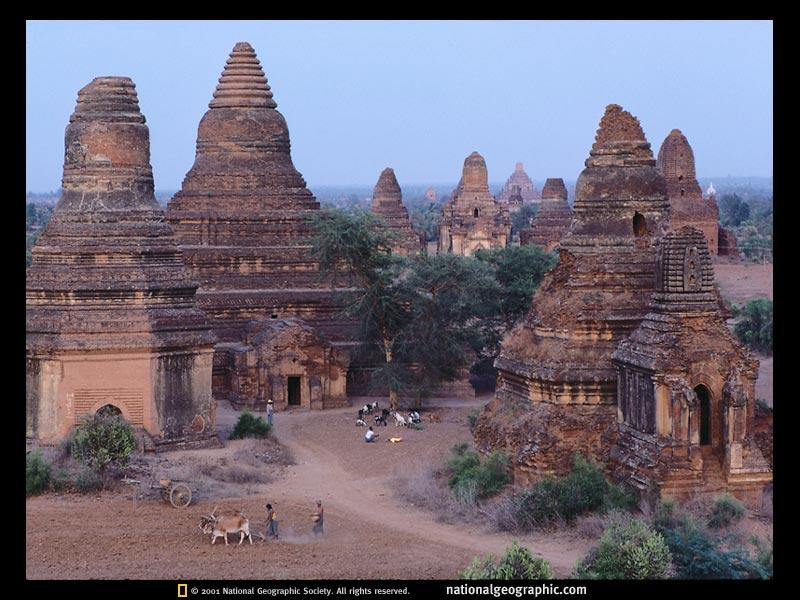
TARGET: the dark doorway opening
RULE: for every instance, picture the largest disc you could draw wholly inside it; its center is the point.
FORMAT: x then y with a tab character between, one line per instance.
476	213
109	410
639	225
704	399
293	388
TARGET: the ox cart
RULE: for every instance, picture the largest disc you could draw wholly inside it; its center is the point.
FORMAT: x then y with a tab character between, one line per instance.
176	493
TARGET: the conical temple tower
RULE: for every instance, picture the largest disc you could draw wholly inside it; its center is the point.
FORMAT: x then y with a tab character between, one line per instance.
111	316
556	386
241	215
387	203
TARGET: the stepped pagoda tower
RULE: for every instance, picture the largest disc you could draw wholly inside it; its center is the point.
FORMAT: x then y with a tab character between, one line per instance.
556	386
110	308
472	219
241	216
387	203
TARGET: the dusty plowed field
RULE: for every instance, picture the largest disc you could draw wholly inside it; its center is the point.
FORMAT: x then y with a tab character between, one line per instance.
369	532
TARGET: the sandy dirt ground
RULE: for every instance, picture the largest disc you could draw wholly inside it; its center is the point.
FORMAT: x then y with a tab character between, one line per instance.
741	281
369	532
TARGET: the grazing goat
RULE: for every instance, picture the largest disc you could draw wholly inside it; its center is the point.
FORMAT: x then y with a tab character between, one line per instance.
434	417
221	525
360	423
374	406
414	416
380	420
399	420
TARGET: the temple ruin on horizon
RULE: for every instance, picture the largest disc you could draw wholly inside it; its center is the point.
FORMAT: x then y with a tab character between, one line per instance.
241	218
472	219
387	204
519	178
552	220
111	317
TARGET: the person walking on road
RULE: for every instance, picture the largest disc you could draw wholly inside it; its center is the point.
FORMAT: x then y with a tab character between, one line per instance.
317	517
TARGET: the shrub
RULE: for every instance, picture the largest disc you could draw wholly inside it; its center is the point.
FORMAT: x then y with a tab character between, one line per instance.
37	473
754	327
696	555
472	418
250	426
471	479
60	481
583	490
763	555
88	481
102	442
629	551
726	511
517	563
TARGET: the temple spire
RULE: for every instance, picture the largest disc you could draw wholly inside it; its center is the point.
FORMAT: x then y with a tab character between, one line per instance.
243	83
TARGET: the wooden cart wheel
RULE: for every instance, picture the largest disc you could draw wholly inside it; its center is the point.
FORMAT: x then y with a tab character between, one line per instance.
180	495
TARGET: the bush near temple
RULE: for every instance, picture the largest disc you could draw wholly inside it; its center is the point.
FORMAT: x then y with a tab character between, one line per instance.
37	473
250	426
726	511
102	442
517	563
698	555
555	499
471	479
626	551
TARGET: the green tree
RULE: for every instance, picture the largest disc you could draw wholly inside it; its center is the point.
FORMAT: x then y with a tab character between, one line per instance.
521	219
519	271
353	243
453	303
754	327
733	211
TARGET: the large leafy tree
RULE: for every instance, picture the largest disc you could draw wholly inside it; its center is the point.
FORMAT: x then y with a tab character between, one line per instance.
352	243
518	270
423	320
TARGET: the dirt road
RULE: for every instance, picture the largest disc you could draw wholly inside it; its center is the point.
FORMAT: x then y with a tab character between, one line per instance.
369	533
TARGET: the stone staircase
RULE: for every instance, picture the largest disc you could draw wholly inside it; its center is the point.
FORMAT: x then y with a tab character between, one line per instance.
713	476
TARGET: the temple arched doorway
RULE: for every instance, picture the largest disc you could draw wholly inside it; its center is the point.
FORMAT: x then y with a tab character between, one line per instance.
108	410
704	401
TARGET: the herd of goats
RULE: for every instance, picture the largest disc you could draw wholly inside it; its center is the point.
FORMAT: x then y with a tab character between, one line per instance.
413	417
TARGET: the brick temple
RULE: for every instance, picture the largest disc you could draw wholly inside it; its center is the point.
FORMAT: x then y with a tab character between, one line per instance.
556	385
686	387
241	218
472	219
551	222
111	317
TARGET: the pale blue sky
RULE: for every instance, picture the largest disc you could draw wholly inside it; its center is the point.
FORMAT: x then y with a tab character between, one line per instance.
419	96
